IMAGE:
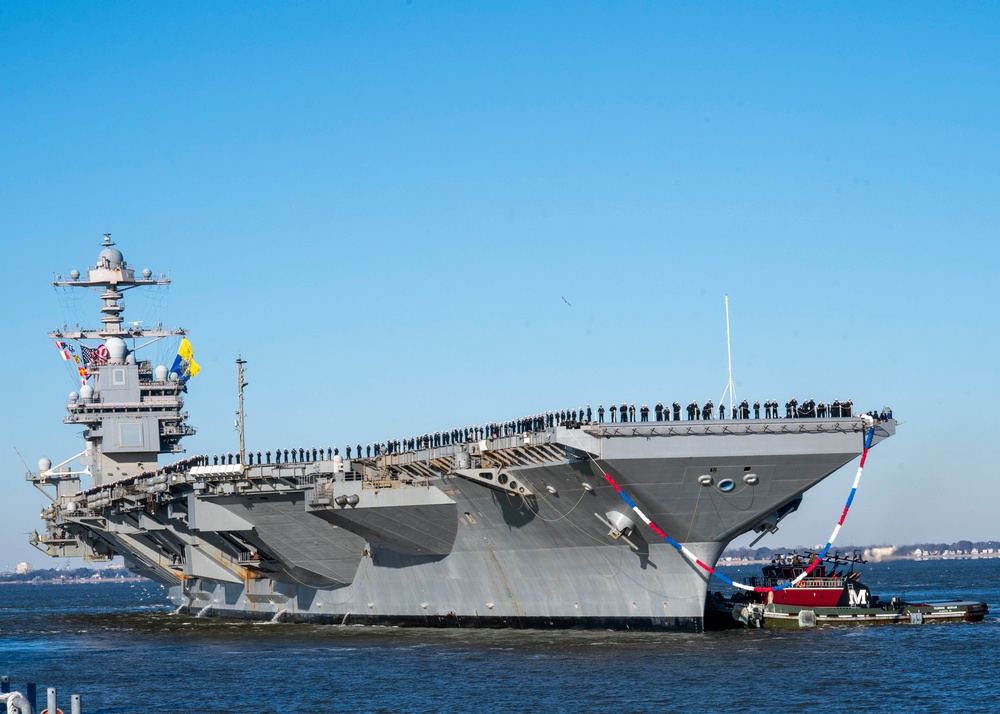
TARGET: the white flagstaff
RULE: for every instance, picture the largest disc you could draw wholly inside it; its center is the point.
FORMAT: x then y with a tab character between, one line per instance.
729	353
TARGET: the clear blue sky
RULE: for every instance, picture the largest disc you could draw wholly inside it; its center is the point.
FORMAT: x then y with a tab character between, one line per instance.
382	206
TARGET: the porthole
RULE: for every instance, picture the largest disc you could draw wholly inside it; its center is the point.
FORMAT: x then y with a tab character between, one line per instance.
726	485
501	479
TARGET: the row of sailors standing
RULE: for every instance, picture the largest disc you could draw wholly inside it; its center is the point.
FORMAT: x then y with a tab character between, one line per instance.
291	456
467	434
808	409
539	422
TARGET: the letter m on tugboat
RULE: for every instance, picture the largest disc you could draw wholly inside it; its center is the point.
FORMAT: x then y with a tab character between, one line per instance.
857	598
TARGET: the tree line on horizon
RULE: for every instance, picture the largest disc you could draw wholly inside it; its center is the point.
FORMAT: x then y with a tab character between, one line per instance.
81	573
762	553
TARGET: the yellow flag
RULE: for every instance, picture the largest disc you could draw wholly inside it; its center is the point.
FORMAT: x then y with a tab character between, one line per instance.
185	365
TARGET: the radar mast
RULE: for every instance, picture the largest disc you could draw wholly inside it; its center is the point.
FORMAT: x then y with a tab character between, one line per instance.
131	412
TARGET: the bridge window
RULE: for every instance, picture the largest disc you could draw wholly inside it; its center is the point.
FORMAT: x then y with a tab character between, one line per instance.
130	435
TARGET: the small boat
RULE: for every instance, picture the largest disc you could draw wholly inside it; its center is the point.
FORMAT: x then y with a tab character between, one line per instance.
831	594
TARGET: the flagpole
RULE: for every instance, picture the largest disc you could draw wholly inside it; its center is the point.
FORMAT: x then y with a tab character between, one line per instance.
239	414
729	353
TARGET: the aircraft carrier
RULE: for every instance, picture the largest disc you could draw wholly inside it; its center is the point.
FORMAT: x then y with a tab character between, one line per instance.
511	525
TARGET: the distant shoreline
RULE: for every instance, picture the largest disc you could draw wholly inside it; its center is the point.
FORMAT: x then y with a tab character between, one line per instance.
734	562
986	550
74	581
883	559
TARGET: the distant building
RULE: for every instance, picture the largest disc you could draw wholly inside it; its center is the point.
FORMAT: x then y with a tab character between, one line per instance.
23	568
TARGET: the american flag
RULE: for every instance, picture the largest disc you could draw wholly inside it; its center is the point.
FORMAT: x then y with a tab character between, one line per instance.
98	355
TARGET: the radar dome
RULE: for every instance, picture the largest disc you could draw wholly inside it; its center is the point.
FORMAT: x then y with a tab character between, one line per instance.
74	274
70	507
86	392
160	374
73	396
44	464
110	258
147	274
130	358
117	349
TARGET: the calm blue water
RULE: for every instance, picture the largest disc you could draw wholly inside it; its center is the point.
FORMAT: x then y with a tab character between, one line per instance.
123	650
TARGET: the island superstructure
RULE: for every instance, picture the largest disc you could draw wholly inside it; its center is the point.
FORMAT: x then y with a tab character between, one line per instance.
500	527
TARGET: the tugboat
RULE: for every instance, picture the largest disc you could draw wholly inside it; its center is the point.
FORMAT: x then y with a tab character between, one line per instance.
829	595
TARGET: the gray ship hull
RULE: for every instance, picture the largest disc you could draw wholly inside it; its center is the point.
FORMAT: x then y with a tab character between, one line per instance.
431	543
526	529
578	587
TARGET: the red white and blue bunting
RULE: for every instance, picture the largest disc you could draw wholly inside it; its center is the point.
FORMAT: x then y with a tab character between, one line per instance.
692	558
